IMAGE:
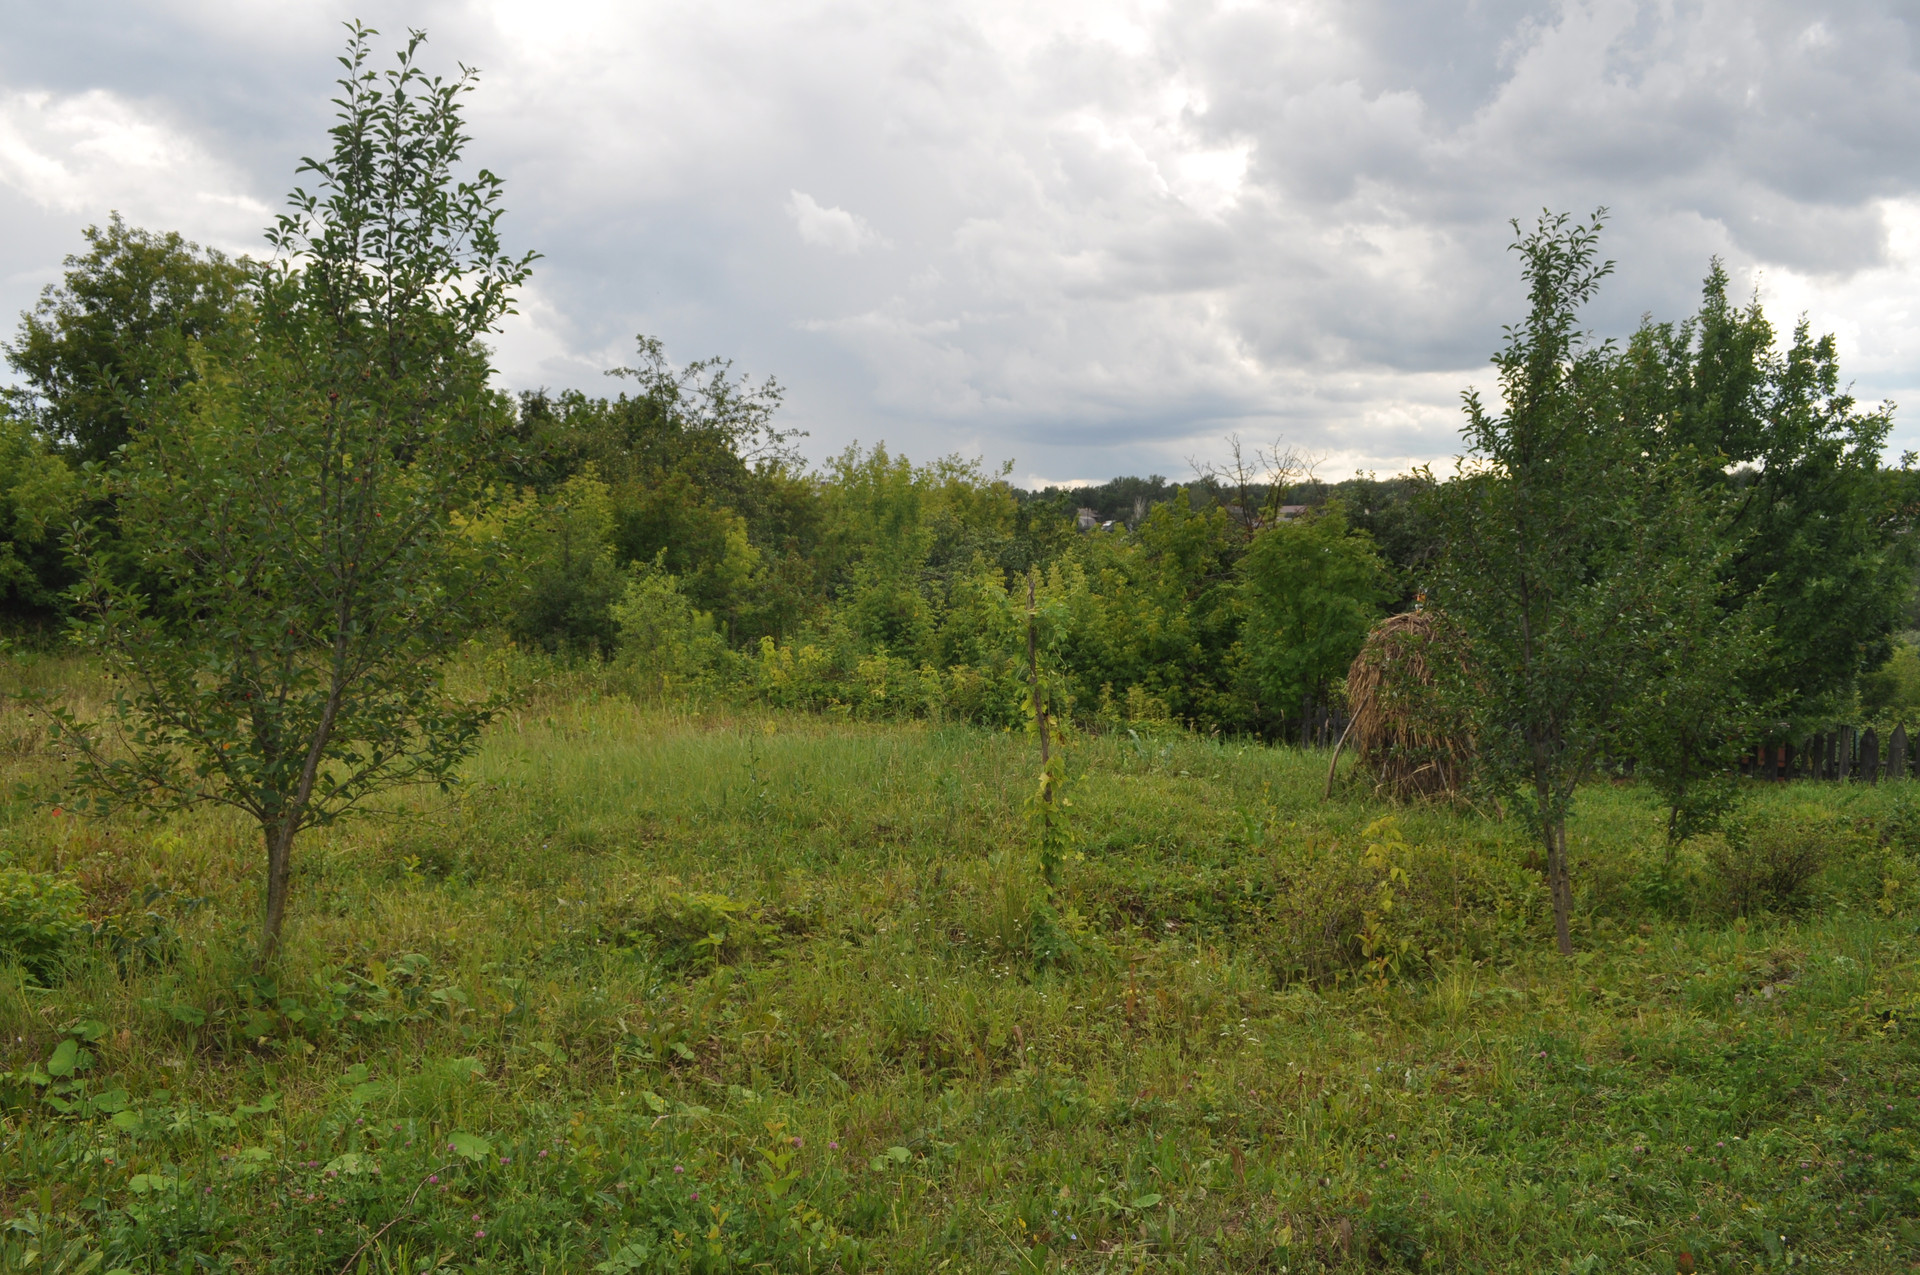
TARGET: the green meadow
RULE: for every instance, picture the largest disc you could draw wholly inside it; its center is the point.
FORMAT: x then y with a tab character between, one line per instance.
685	989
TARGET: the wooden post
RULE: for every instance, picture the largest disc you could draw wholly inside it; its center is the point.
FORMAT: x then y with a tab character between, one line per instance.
1897	753
1033	678
1870	756
1848	750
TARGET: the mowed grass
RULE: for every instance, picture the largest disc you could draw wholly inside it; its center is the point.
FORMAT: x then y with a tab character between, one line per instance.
714	990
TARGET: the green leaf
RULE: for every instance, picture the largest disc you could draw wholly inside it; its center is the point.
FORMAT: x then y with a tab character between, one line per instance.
1146	1201
128	1121
267	1103
371	1091
654	1101
470	1145
113	1100
65	1056
350	1163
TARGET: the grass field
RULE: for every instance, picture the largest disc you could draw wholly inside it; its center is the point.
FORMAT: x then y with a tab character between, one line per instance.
715	991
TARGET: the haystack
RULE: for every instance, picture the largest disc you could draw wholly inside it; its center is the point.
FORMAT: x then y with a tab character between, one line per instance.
1407	740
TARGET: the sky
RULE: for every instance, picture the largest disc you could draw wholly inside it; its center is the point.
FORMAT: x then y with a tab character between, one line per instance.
1087	238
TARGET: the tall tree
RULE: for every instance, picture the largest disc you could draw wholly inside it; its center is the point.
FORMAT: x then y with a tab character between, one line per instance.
117	330
1817	530
297	497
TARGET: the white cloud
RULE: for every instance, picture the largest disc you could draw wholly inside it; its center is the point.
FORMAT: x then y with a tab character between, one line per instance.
832	228
85	154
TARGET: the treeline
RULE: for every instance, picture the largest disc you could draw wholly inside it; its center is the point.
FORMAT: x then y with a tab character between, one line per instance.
673	526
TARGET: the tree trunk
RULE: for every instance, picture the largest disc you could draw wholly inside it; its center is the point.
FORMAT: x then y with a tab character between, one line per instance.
1560	884
279	877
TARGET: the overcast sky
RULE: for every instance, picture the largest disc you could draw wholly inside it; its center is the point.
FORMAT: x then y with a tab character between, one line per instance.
1090	238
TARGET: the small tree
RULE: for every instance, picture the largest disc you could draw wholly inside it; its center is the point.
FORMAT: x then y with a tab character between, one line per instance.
1567	552
296	498
1312	589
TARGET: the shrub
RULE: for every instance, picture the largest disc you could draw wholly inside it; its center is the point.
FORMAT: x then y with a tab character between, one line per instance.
1396	907
1772	861
39	917
688	930
663	637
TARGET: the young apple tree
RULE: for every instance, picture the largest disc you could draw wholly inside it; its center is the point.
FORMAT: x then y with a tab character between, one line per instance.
290	509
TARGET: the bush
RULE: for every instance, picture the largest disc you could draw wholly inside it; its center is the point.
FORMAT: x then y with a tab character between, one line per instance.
1396	908
39	917
663	637
1769	862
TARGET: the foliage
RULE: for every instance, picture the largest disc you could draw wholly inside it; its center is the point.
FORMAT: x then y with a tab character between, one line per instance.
39	495
663	638
1568	556
40	915
117	333
1773	862
1891	693
296	498
1103	1072
1690	711
1312	590
550	558
1818	532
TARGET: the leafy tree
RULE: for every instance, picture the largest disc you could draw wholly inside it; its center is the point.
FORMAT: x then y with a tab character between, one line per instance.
296	497
1817	530
1560	550
118	330
1312	588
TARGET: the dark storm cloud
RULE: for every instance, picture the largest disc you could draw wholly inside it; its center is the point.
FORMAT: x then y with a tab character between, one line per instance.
1094	237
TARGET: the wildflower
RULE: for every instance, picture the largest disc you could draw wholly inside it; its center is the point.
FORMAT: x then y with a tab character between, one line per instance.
476	1217
209	1190
433	1177
543	1155
506	1159
479	1235
696	1195
833	1146
796	1142
451	1147
678	1169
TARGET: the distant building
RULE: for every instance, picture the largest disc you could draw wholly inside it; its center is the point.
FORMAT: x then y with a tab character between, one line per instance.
1289	512
1087	519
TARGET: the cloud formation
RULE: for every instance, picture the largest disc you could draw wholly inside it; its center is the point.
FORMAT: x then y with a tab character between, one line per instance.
1093	237
835	229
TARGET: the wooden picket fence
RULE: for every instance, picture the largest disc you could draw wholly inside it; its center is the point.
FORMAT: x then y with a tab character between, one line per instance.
1843	753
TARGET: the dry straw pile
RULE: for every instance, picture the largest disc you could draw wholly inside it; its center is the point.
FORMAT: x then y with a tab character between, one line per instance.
1407	740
